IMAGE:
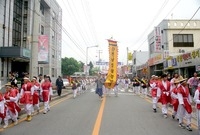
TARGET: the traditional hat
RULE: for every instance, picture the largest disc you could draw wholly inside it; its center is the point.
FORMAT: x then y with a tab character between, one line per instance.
8	84
182	80
176	81
153	76
26	78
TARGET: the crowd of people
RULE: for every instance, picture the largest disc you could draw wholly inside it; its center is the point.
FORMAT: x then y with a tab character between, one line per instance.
31	92
181	93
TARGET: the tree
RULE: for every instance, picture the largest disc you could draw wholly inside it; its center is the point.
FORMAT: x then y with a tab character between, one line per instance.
81	65
91	67
70	66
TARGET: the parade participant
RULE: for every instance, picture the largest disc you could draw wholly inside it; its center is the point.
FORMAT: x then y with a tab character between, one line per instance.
137	85
2	108
154	92
100	82
26	95
197	101
35	87
174	97
144	85
185	108
116	90
46	92
126	83
74	88
164	88
12	109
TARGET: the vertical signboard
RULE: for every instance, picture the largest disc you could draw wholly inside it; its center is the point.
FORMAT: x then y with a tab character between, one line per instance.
43	49
157	33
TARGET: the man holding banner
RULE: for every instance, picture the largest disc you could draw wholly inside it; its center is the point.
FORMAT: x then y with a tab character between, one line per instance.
100	82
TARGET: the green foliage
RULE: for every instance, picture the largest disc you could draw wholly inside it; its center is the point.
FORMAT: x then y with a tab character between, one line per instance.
70	66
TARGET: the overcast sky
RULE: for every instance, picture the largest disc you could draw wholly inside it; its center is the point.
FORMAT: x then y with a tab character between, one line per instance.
91	22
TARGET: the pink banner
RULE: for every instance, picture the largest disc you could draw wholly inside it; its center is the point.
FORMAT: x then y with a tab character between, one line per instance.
43	49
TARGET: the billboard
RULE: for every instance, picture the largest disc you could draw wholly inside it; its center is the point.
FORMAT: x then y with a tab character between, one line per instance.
43	49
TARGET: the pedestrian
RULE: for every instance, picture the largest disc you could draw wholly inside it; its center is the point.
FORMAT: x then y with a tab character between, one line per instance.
154	92
36	102
100	82
185	107
197	101
165	98
59	85
12	109
26	95
13	81
46	92
193	83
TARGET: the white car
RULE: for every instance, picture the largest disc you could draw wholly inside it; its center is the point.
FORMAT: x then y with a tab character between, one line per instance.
65	83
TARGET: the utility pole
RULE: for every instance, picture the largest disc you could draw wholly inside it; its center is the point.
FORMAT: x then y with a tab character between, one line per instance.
99	53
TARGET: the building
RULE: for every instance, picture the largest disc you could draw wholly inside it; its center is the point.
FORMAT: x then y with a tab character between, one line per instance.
139	58
171	38
31	38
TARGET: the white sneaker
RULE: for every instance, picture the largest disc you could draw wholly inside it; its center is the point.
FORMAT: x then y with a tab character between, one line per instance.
16	122
5	126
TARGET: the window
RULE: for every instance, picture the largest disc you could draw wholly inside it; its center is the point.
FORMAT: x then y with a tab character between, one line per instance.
17	23
53	53
53	72
42	30
183	40
42	9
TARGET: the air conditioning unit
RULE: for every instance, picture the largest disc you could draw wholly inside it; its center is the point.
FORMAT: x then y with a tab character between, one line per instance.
181	51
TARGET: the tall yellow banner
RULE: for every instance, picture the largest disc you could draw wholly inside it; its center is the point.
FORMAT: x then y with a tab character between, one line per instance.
113	61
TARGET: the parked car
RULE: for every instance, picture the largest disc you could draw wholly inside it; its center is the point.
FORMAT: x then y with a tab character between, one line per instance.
65	83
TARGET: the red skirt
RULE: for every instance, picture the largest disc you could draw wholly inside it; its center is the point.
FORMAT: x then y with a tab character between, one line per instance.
45	95
35	98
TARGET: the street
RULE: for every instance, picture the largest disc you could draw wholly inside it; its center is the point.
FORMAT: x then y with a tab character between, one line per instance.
126	114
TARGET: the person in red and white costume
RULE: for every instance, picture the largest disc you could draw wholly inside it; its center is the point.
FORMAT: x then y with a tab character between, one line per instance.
12	109
174	97
185	108
154	91
26	97
36	102
164	88
197	101
46	92
2	107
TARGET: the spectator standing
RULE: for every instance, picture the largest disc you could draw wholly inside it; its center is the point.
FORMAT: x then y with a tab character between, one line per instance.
59	85
193	83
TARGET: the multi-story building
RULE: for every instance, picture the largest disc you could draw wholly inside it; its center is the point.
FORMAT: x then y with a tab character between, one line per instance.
170	38
139	58
30	32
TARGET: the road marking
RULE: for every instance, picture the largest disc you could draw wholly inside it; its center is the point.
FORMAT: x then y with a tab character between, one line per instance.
35	113
99	118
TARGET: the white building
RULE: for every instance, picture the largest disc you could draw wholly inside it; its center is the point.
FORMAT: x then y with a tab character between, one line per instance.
31	38
139	58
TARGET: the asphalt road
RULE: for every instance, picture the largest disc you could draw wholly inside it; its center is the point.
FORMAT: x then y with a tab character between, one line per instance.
126	114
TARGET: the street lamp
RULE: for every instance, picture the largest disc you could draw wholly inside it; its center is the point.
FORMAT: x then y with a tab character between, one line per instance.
86	72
